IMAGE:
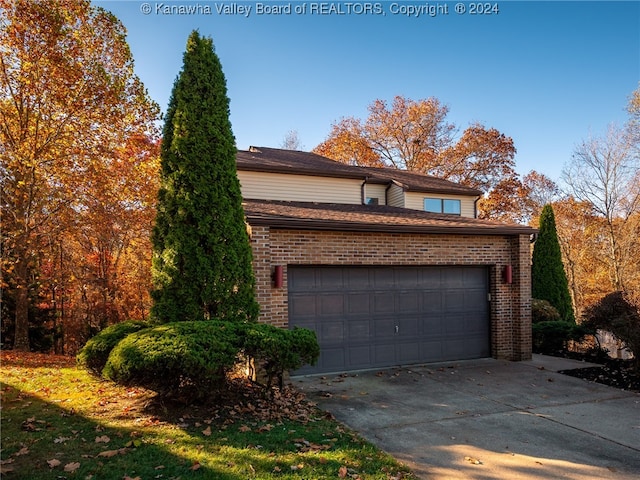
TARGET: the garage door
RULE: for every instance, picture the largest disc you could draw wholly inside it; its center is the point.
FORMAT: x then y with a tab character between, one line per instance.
370	317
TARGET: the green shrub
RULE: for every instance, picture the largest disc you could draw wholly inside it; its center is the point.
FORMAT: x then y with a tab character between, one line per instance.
548	278
276	349
185	360
190	360
543	311
552	337
615	313
94	354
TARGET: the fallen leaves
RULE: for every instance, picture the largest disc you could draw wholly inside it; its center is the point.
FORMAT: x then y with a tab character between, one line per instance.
113	453
5	467
90	437
71	467
22	451
305	446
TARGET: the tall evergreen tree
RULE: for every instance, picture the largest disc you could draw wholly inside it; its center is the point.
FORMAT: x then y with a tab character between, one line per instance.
549	281
202	255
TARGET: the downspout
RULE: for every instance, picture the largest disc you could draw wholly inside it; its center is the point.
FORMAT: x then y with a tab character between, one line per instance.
475	207
362	193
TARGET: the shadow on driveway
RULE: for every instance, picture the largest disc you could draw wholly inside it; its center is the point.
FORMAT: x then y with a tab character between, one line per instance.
489	419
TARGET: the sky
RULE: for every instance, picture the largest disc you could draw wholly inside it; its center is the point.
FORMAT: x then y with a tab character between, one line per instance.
548	74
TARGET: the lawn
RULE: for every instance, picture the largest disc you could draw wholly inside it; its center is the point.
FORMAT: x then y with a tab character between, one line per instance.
60	422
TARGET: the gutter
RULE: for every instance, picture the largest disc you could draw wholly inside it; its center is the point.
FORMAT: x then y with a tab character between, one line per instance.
290	223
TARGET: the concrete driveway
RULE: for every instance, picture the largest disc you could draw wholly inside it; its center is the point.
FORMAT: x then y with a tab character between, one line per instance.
489	419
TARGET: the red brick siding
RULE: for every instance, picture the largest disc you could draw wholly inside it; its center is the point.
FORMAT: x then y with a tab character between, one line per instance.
510	305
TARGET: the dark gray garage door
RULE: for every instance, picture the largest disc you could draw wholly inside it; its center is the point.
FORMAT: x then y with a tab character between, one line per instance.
369	317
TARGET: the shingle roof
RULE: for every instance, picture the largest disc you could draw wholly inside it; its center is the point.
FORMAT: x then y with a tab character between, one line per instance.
415	182
263	159
368	218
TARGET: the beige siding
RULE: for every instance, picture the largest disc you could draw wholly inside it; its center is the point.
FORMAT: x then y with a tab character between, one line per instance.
415	200
373	190
299	188
396	196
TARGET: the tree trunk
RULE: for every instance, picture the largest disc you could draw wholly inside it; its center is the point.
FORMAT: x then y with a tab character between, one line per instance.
21	338
618	284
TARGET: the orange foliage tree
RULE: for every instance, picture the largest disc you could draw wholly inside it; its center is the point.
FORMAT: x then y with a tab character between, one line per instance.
415	135
598	220
77	150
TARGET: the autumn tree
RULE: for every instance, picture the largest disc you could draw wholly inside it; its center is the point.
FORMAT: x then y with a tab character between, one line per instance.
416	136
202	256
519	200
69	99
347	143
578	229
548	278
605	173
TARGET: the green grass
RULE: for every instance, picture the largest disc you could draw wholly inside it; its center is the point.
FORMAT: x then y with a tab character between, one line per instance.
56	416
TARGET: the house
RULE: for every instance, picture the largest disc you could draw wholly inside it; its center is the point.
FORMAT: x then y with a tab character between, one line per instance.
388	267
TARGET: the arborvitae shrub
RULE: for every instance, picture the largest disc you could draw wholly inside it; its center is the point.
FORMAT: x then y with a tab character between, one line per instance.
548	278
95	352
202	258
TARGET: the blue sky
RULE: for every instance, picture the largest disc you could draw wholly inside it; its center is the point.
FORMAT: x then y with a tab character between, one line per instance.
547	73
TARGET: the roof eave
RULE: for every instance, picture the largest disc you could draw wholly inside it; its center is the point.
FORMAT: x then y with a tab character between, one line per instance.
346	226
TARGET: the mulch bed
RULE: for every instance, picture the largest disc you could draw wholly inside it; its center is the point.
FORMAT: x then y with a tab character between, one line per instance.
612	372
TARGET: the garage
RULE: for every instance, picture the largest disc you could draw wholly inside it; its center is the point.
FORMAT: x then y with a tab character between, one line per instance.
382	316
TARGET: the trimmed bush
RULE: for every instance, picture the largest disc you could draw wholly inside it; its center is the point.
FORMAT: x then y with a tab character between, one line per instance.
543	311
277	350
552	337
94	354
186	360
190	360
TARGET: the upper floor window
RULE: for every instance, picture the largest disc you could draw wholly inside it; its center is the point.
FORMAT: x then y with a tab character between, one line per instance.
442	205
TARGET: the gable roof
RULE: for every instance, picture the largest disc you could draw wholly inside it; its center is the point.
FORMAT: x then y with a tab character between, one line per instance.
367	218
264	159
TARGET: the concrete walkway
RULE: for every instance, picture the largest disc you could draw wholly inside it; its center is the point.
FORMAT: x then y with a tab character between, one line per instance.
489	419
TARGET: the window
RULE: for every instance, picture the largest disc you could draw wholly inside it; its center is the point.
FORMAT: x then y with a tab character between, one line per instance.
451	206
442	205
373	201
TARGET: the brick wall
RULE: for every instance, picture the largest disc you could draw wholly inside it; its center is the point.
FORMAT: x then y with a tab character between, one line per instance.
510	305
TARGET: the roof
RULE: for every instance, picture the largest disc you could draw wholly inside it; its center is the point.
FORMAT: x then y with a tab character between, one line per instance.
368	218
264	159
